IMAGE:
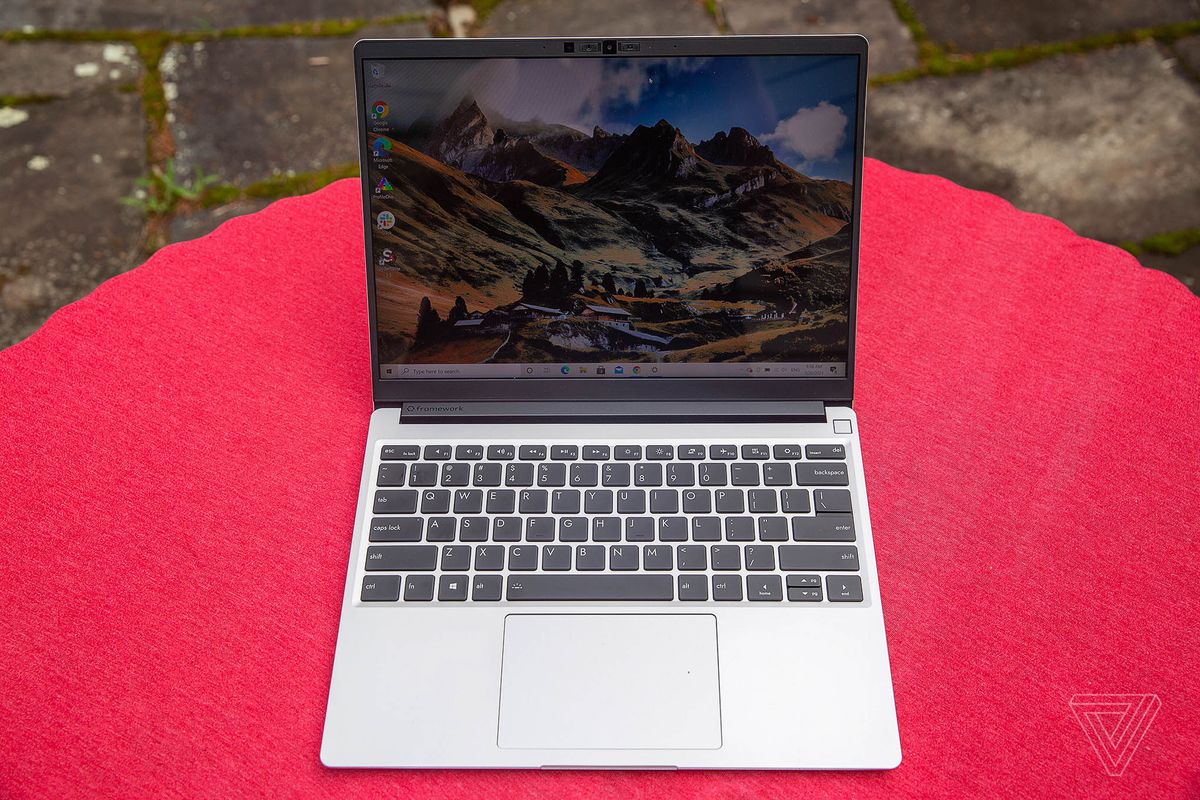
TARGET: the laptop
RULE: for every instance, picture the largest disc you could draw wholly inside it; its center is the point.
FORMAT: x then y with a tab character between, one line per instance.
612	510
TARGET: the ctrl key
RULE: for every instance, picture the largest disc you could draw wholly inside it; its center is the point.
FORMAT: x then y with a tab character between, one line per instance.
381	589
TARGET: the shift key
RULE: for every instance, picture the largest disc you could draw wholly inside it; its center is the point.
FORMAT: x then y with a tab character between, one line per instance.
400	558
818	558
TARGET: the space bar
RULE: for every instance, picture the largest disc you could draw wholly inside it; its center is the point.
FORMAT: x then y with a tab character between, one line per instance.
590	587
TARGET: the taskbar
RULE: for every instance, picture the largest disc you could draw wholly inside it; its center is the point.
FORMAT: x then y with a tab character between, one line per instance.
810	369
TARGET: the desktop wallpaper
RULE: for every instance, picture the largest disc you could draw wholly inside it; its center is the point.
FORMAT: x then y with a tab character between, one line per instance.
612	209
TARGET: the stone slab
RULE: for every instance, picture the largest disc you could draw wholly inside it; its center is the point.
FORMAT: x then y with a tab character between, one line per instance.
979	25
1185	266
247	109
59	69
199	223
65	229
593	18
1188	52
891	44
1105	141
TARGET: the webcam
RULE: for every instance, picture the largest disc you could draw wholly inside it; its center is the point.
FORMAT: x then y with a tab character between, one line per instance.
610	47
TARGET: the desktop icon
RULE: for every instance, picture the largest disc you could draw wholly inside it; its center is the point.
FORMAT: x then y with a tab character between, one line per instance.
386	220
376	70
618	370
637	370
387	256
379	110
384	185
564	369
381	146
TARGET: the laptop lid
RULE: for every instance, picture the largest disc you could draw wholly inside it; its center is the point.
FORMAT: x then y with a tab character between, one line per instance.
671	218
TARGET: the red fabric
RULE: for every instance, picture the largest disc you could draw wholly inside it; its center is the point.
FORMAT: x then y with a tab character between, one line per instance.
181	453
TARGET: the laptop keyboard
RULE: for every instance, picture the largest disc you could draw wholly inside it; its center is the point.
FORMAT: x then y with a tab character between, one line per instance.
721	523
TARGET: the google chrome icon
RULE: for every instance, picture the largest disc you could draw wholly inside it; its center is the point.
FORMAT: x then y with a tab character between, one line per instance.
379	110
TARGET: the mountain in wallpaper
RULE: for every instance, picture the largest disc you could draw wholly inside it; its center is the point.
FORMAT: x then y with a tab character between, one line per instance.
524	241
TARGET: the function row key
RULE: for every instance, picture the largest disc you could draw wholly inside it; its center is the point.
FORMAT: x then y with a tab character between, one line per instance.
501	452
532	452
399	452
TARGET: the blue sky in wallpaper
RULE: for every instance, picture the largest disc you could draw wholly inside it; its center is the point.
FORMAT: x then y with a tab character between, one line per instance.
801	106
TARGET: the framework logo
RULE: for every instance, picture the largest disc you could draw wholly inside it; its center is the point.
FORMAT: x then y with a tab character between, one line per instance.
1115	724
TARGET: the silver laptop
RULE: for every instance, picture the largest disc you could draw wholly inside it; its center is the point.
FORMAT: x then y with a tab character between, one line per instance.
612	510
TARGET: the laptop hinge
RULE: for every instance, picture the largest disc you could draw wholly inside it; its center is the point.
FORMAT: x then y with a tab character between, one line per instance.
551	411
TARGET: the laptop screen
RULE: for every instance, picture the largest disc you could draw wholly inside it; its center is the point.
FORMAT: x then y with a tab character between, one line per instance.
611	217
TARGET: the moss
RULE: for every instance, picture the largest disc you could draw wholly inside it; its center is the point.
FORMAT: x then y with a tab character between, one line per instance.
483	8
926	50
1171	243
714	11
277	186
25	99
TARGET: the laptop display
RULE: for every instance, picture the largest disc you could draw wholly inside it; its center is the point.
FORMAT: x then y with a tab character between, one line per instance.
611	217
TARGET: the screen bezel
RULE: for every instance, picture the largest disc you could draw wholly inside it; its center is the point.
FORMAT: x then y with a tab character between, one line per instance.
395	391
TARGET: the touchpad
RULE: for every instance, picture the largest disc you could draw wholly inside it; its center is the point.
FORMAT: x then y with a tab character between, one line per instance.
610	681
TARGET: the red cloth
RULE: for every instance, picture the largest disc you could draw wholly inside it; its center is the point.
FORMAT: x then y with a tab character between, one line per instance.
181	453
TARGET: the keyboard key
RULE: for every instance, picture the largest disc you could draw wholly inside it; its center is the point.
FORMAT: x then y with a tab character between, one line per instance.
803	581
647	475
401	558
455	558
468	452
660	452
631	501
564	501
531	452
628	452
622	557
487	474
823	528
731	501
596	452
441	529
552	474
474	529
772	529
760	557
522	558
727	587
761	588
743	474
762	501
556	557
572	529
539	529
639	529
777	475
831	501
614	475
380	588
534	501
692	556
606	529
399	452
739	529
794	501
713	475
489	557
564	452
656	557
787	452
468	501
809	474
756	451
395	501
452	588
435	501
697	501
706	529
584	474
418	588
804	595
726	556
487	588
395	529
437	452
681	475
506	529
691	452
844	588
818	558
589	557
672	529
722	452
518	475
423	474
664	501
824	451
598	501
501	452
390	474
456	474
693	587
501	501
590	587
